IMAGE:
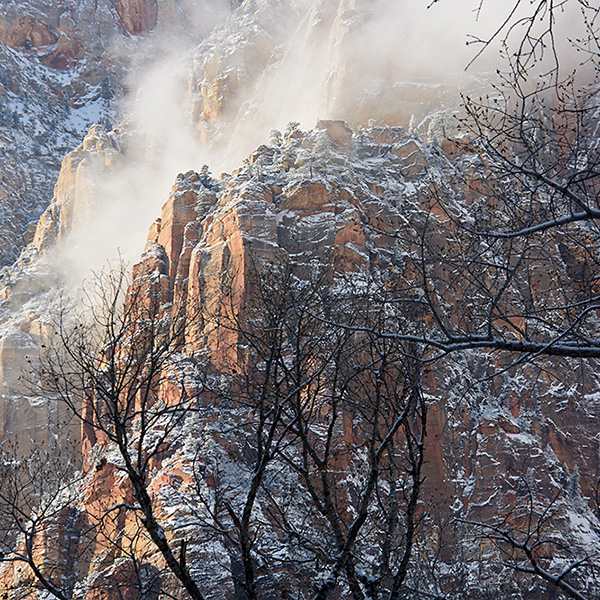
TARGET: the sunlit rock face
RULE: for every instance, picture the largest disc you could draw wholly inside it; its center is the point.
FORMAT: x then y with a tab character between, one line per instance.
73	206
341	204
343	59
63	68
26	32
53	87
335	202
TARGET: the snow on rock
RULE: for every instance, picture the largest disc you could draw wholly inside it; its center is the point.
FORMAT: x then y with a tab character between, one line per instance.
338	221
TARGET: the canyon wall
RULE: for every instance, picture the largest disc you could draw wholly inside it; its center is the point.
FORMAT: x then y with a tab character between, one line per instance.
349	207
338	207
64	67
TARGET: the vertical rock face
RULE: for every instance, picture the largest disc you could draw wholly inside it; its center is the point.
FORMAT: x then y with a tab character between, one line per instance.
26	32
179	212
137	16
74	193
347	63
31	290
348	221
63	68
338	207
341	206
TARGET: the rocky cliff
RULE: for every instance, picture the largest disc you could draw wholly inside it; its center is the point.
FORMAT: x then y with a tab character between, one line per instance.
64	67
320	252
337	59
240	65
339	208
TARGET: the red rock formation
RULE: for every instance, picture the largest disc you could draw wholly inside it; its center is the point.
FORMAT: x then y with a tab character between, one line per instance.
26	32
177	213
75	190
349	220
69	47
137	16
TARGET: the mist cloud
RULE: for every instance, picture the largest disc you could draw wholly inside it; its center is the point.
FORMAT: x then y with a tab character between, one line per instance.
281	61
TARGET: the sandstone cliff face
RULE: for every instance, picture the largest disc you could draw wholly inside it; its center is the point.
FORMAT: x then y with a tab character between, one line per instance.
53	88
138	16
337	59
333	202
63	68
346	220
32	288
338	205
75	192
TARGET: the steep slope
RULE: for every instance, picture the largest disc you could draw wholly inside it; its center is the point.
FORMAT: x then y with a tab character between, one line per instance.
235	81
68	65
340	209
341	59
352	230
64	66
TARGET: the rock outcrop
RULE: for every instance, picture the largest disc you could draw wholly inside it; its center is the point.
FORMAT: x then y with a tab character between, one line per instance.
357	214
75	192
137	16
339	206
346	64
64	67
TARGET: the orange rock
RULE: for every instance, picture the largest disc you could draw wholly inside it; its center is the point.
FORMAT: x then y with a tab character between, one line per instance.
26	32
307	198
137	16
338	131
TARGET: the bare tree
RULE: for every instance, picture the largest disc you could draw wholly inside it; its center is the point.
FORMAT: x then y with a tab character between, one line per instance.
529	33
528	537
274	445
505	256
284	458
511	224
341	415
109	367
35	492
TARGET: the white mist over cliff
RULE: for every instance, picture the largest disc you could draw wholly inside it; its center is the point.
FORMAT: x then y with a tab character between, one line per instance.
214	97
353	60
